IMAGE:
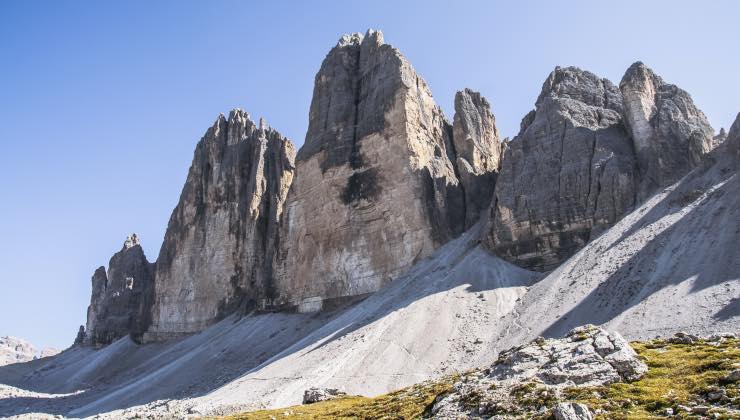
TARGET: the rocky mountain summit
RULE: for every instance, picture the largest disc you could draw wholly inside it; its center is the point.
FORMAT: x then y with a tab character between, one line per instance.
218	248
18	350
396	246
378	183
383	179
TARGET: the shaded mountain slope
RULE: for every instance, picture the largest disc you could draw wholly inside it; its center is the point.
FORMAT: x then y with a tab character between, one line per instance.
673	264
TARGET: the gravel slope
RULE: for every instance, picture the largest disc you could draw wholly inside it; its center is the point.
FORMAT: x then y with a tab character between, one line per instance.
673	264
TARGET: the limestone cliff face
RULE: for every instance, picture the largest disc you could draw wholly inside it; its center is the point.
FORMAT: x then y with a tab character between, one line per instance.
670	134
375	187
218	247
733	138
120	296
567	175
585	156
478	147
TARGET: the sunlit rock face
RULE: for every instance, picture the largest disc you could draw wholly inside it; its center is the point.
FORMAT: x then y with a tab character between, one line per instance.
670	134
221	237
121	296
583	158
478	149
567	175
375	187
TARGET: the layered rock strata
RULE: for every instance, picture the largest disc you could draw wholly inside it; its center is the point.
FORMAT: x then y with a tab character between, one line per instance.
587	356
376	187
567	175
120	297
220	240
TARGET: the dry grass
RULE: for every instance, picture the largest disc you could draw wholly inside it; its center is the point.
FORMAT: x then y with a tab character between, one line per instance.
408	403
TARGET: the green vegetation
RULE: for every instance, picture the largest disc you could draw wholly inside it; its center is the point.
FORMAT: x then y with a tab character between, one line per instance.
680	377
409	403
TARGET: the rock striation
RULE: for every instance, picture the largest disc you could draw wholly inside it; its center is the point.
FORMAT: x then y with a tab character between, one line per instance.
585	156
219	243
478	148
376	187
566	176
670	134
120	296
15	350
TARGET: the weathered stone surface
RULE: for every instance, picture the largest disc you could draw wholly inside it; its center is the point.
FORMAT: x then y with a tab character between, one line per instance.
218	247
478	148
566	176
670	134
375	187
15	350
314	395
733	138
587	357
571	411
119	297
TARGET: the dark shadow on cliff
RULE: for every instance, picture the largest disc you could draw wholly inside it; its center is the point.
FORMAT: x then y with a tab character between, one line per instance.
125	374
700	246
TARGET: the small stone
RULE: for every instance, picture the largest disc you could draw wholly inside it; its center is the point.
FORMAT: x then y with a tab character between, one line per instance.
313	395
571	411
700	409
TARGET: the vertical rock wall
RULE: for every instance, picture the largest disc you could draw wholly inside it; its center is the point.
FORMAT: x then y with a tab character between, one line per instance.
376	186
218	247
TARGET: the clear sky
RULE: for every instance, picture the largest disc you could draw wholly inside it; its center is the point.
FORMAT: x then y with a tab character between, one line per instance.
102	103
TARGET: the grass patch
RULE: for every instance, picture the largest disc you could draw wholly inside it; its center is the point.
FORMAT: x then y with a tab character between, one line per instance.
409	403
679	374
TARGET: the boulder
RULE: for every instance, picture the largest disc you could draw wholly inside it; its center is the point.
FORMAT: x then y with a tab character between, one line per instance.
219	244
587	356
568	175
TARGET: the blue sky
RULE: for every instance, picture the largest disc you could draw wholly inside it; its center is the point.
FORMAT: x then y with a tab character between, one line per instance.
102	103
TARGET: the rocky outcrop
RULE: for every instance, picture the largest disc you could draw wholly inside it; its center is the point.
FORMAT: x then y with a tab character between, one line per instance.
733	138
478	148
314	395
18	350
119	301
566	176
219	243
586	357
375	187
571	411
15	350
670	134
